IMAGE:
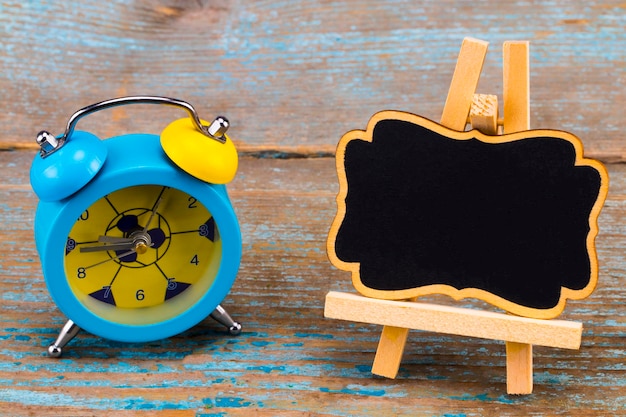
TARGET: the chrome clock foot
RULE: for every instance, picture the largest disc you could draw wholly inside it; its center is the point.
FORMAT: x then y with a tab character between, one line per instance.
67	333
221	316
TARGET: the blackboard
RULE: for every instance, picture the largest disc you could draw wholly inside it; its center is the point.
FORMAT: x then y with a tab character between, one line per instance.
509	219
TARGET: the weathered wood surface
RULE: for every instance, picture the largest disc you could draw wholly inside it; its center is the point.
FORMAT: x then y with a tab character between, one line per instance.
290	361
295	75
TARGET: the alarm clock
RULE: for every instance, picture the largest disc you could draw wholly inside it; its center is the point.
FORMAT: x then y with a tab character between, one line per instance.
136	234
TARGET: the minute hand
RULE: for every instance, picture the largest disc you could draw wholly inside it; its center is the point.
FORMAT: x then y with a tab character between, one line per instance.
154	210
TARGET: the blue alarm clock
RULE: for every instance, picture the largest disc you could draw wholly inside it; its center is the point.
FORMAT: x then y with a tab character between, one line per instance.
137	237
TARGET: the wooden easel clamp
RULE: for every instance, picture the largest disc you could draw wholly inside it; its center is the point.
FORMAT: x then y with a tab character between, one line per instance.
397	317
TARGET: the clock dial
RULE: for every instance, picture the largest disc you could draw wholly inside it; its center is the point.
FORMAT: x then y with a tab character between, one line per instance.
142	254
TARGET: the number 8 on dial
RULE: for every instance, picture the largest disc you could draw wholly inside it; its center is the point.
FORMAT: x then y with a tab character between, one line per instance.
137	237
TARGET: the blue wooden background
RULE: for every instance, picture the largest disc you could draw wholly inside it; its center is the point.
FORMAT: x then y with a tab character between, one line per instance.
297	74
293	77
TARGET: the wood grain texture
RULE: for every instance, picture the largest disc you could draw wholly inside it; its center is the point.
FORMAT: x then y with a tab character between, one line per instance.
289	360
516	86
465	79
451	320
484	113
294	76
389	351
519	368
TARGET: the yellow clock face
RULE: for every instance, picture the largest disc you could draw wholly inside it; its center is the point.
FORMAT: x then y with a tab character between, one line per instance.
142	254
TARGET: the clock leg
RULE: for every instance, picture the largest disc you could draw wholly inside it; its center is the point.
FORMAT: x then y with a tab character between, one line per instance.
221	316
67	333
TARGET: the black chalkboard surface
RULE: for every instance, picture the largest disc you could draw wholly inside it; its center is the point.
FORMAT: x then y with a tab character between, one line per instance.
508	219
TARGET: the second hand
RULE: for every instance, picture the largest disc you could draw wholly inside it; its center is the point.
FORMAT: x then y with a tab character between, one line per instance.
133	250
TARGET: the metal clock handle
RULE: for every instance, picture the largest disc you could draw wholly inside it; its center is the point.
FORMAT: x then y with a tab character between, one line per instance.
215	130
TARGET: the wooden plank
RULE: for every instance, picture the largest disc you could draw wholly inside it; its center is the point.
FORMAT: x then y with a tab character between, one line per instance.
289	73
389	351
519	368
516	86
451	320
463	85
290	360
516	93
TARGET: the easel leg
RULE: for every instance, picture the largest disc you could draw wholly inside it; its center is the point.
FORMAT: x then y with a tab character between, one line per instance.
516	77
455	113
519	368
389	352
464	82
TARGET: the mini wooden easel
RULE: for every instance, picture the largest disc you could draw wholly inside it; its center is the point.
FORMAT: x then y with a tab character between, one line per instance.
519	333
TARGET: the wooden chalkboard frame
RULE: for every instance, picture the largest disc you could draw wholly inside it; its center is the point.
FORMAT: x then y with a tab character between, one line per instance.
457	294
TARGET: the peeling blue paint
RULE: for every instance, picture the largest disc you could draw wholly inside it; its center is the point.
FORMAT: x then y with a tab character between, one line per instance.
355	390
504	399
266	369
231	402
261	343
363	368
436	377
41	399
314	335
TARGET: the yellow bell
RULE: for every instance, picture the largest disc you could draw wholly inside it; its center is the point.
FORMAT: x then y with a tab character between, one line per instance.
199	155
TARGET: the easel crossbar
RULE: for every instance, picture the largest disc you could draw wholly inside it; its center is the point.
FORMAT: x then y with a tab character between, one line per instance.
453	320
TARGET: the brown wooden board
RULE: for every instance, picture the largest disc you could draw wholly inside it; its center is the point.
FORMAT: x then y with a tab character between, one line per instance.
292	76
423	209
290	360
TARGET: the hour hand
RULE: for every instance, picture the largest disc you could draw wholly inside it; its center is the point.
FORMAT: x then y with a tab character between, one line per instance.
112	246
111	243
